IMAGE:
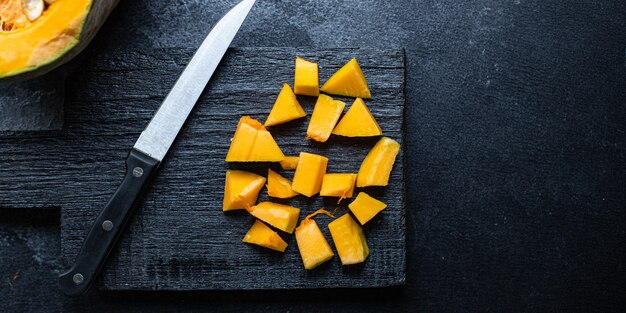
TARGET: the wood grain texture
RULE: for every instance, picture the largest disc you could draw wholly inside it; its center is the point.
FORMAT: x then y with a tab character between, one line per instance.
179	238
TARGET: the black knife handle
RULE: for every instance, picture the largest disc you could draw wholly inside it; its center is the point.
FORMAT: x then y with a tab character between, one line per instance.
140	169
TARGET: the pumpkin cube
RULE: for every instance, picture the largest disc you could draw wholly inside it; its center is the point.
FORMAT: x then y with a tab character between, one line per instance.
241	189
338	185
349	240
253	143
281	216
278	186
313	247
348	81
307	179
289	162
358	122
364	207
306	81
325	115
261	235
377	165
285	109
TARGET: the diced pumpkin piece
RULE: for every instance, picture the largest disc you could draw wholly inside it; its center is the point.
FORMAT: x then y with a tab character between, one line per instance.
348	81
289	162
278	186
253	143
349	240
313	247
261	235
281	216
377	165
306	80
243	140
307	179
265	148
325	115
241	189
364	207
338	185
285	109
358	122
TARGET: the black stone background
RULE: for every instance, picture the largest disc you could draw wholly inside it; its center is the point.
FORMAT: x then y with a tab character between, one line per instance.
516	157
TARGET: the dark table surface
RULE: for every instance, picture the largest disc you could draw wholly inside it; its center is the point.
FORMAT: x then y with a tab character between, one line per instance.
516	157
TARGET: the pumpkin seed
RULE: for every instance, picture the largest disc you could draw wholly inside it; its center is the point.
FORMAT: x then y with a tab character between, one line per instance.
33	9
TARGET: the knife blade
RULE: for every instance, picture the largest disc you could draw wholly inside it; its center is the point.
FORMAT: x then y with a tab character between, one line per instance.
146	155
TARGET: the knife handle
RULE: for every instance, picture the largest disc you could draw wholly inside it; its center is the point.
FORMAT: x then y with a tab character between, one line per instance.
140	169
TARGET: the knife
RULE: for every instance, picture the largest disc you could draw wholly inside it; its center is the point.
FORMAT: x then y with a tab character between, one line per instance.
146	155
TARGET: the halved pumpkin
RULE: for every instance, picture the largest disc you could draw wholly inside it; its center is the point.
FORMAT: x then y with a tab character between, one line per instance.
37	36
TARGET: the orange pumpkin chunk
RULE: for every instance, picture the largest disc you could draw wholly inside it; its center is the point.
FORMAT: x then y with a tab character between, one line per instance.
281	216
285	109
253	143
348	81
358	122
338	185
364	207
313	247
307	179
306	81
377	165
349	240
241	189
261	235
325	115
278	186
289	162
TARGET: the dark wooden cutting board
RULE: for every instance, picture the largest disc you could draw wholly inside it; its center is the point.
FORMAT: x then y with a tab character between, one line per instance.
179	238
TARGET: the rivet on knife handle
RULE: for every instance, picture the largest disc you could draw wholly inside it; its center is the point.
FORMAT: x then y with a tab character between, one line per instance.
109	225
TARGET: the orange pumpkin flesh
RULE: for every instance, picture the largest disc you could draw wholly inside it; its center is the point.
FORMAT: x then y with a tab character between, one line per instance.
278	186
377	165
309	174
364	207
324	118
289	162
358	122
313	246
306	81
338	185
241	189
285	109
349	240
261	235
348	81
253	143
281	216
